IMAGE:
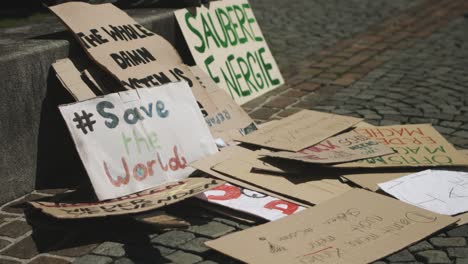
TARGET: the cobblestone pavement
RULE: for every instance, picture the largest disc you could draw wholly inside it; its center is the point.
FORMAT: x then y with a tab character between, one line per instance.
387	61
296	29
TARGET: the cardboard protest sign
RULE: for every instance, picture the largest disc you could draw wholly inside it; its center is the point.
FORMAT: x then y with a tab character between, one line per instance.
227	43
415	146
70	78
347	229
440	191
130	52
300	130
345	147
207	163
229	119
135	203
135	140
306	188
252	202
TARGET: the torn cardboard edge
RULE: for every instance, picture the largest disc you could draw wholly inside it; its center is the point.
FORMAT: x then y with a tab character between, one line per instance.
143	201
356	227
345	147
299	131
70	78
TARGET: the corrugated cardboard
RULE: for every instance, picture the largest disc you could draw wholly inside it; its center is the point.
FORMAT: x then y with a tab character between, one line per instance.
207	163
300	130
70	78
345	147
354	228
415	146
134	203
227	43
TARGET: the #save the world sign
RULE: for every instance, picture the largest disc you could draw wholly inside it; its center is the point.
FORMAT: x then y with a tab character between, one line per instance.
227	43
135	140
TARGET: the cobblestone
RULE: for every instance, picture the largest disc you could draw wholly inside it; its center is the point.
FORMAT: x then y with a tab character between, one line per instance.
458	252
15	229
110	249
448	241
401	256
93	259
48	260
196	245
173	238
184	258
423	245
461	231
433	256
212	229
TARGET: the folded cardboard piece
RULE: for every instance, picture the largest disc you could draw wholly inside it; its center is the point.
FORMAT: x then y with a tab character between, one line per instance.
344	147
238	60
228	119
299	131
356	227
415	146
146	200
71	80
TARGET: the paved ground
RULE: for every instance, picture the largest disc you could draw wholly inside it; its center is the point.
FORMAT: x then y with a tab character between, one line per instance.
387	61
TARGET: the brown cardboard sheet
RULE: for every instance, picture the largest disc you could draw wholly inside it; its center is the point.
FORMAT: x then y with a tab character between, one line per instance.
354	228
300	130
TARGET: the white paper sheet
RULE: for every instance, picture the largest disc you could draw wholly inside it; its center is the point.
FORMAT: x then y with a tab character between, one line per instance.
440	191
252	202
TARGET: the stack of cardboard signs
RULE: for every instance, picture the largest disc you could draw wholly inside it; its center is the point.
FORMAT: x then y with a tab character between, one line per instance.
152	131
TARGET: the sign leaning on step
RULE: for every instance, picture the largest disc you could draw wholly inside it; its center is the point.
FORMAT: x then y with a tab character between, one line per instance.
138	139
227	43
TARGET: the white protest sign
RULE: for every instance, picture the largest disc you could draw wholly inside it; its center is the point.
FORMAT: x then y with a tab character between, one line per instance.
138	139
249	201
227	43
440	191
